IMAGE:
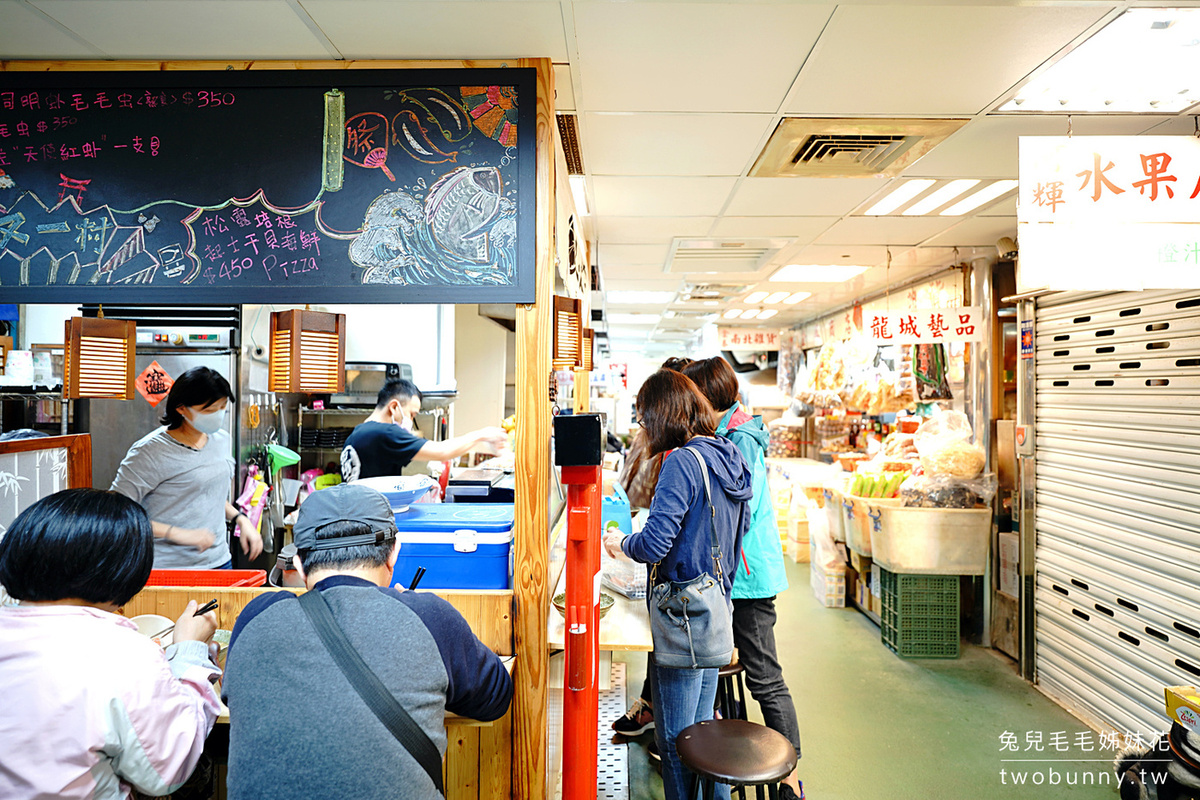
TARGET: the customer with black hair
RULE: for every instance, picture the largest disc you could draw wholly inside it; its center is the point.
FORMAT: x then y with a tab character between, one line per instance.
297	727
182	474
385	443
760	574
676	544
91	707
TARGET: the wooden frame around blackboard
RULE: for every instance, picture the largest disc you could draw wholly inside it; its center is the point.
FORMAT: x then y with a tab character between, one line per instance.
268	185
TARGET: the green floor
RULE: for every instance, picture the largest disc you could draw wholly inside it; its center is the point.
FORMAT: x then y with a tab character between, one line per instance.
875	726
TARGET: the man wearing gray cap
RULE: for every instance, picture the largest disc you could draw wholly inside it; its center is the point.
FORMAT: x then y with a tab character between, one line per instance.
341	692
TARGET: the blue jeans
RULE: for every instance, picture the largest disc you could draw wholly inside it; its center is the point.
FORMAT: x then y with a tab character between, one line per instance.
682	697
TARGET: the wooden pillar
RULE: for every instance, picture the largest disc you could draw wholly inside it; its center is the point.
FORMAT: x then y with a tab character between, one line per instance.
531	590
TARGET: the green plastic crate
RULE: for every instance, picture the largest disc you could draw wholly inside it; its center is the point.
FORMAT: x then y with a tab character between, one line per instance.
920	615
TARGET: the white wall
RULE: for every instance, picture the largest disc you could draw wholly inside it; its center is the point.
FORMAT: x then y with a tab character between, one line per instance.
42	323
480	359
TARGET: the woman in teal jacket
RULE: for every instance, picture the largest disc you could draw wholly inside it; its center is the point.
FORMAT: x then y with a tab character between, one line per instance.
760	573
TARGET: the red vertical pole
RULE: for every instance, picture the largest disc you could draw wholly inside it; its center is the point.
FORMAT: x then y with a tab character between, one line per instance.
581	698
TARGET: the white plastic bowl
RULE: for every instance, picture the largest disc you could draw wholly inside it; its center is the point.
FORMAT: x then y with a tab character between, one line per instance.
150	624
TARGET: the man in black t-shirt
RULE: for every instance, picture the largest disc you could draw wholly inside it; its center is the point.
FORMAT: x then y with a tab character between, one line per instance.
385	443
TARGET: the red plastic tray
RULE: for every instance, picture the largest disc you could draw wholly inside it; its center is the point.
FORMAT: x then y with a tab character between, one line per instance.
207	577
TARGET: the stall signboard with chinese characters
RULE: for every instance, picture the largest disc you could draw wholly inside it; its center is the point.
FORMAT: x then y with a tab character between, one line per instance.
925	325
1109	212
747	339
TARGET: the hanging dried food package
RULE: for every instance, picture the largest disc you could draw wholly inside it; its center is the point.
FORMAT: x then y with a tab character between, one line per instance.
929	368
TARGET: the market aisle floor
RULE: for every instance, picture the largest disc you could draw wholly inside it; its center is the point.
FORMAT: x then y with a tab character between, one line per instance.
874	726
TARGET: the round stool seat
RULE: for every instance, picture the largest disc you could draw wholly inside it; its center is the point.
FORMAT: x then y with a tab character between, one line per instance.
736	752
729	670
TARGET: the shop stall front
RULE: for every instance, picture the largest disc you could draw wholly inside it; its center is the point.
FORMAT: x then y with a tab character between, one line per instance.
312	219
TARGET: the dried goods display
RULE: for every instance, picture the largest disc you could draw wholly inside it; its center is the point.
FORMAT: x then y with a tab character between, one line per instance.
788	438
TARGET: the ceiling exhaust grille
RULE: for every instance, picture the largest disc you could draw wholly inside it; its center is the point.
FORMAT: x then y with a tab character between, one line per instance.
568	131
875	152
721	255
720	292
849	148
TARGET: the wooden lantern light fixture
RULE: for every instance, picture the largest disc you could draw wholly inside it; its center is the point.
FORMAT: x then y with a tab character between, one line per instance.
308	352
567	334
98	357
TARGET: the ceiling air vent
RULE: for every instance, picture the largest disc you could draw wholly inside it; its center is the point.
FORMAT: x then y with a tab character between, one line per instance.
721	255
568	132
705	292
849	148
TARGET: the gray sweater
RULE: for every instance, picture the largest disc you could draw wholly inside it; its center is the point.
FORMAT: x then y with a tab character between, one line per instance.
182	486
297	727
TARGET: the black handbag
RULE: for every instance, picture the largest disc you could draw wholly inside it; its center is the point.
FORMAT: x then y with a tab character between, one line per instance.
377	697
691	622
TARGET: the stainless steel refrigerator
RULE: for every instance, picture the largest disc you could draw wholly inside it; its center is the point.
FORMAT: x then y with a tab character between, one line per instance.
116	424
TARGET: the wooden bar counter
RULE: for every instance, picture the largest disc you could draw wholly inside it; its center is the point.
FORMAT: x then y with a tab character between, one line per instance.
478	756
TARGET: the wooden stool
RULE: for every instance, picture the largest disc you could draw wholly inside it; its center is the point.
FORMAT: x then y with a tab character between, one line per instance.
738	753
731	705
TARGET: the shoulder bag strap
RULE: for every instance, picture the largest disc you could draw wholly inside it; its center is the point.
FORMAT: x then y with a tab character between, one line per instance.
712	519
371	689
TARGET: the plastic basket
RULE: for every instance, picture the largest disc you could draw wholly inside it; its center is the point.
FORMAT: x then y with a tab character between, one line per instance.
207	577
920	615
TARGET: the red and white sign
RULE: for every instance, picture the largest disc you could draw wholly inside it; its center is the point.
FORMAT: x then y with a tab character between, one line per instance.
1105	212
747	339
925	325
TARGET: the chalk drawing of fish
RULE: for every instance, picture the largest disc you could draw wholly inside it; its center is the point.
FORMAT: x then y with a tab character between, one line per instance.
463	234
460	208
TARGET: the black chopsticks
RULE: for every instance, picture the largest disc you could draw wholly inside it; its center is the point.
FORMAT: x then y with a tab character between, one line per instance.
417	578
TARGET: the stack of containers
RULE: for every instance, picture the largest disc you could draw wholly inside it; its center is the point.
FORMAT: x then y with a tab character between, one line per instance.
920	615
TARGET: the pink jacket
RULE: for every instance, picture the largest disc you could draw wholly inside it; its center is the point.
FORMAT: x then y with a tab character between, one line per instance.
91	707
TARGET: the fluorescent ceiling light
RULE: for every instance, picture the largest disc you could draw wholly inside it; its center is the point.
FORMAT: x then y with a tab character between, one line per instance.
750	313
711	303
1147	60
617	298
579	193
939	198
767	313
907	191
985	194
732	313
755	297
632	319
796	297
774	298
816	273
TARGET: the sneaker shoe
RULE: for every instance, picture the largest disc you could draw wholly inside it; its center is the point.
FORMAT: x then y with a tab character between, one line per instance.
652	751
637	720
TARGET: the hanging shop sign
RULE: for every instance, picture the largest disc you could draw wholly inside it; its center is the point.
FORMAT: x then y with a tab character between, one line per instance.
268	186
1109	212
747	339
925	325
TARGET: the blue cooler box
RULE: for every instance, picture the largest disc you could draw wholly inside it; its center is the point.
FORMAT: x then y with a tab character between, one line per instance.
461	545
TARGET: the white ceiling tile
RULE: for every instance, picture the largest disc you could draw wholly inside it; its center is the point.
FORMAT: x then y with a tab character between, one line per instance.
660	197
672	144
760	197
802	229
858	255
564	93
156	29
632	255
885	230
977	231
29	35
649	230
641	284
935	59
1005	208
692	56
615	273
391	29
987	148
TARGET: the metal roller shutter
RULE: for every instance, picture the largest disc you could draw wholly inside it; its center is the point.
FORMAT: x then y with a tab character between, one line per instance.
1118	502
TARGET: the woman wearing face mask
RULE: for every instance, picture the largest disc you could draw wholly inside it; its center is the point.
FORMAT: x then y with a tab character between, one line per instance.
182	473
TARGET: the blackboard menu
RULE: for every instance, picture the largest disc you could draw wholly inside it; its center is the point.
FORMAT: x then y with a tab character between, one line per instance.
350	186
